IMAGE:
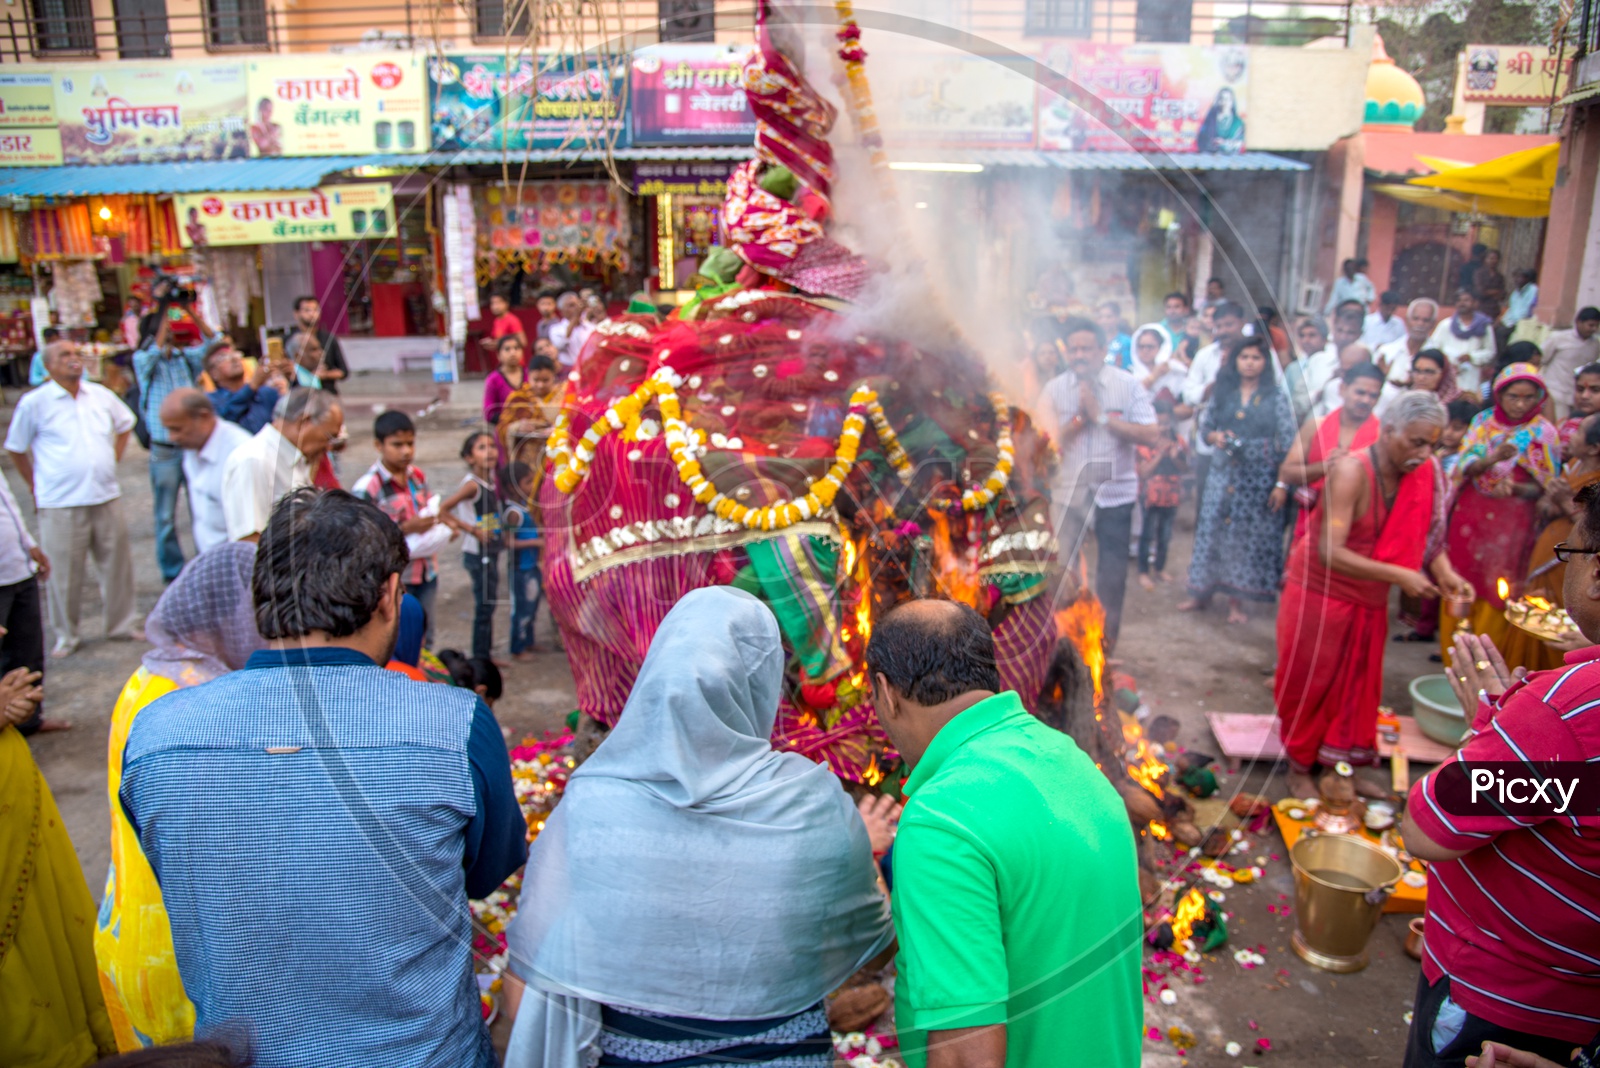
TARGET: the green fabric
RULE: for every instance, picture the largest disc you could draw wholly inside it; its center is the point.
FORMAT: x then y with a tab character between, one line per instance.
1016	896
780	182
641	304
924	438
797	582
745	579
721	264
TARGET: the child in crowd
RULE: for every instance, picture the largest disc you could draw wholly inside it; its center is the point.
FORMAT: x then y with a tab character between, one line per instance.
475	510
400	489
1585	402
1161	471
1461	411
478	674
527	586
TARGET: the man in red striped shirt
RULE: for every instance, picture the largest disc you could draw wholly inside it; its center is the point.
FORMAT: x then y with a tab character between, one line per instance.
1512	953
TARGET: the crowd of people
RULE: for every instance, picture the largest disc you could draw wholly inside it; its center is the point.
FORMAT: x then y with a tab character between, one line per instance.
1444	453
304	794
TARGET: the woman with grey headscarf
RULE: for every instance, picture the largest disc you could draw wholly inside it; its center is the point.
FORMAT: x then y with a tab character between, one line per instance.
203	626
696	893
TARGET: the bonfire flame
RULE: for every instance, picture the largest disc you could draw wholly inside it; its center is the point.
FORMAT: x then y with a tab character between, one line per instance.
872	775
1159	830
1191	910
1144	767
955	573
1083	623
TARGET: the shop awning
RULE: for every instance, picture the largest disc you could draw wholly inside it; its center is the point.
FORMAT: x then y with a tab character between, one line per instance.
231	176
213	176
1517	184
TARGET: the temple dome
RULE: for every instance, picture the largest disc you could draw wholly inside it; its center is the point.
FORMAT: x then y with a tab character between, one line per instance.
1394	99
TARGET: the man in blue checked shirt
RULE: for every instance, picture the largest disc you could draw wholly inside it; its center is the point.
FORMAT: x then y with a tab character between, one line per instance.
317	823
159	368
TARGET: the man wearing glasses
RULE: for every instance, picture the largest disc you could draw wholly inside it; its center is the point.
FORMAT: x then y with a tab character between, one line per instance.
1512	957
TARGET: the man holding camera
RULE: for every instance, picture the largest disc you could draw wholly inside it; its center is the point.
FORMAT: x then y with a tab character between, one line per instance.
160	367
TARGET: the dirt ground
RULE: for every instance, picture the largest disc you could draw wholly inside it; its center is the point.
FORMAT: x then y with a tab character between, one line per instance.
1184	664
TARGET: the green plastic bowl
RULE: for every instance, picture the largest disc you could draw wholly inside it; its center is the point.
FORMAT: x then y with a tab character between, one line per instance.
1436	710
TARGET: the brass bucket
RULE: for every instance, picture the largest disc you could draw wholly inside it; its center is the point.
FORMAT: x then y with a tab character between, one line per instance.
1340	885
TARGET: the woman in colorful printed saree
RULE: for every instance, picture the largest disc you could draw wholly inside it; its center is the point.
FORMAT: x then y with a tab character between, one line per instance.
203	626
52	1014
1510	454
696	894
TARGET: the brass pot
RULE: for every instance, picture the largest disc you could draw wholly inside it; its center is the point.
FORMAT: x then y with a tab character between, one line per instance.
1340	885
1414	937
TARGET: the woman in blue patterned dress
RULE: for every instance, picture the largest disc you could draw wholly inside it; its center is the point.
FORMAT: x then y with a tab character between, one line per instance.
1238	543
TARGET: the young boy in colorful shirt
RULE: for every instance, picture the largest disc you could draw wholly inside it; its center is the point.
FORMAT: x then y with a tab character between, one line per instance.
400	490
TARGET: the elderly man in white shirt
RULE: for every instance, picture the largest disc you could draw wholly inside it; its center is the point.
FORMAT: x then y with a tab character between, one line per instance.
572	331
192	425
66	438
277	460
1395	357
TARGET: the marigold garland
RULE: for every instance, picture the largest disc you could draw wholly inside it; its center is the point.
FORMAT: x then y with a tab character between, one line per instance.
686	445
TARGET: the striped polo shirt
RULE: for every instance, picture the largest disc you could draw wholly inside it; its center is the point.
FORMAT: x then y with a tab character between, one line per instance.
1515	923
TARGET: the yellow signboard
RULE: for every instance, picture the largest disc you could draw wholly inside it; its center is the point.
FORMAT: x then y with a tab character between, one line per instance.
1515	75
27	100
331	213
307	105
152	112
30	148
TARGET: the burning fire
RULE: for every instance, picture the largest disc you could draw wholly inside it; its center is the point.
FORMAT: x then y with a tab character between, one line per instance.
872	775
1503	588
1083	623
956	574
1191	910
1159	830
856	561
1144	767
1538	603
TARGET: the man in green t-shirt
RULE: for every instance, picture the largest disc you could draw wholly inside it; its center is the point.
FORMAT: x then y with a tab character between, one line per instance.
1016	890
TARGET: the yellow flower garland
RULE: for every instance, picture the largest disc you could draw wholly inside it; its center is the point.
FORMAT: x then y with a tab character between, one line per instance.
974	499
571	463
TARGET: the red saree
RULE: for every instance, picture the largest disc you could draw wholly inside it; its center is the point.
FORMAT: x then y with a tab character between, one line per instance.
1324	441
1332	627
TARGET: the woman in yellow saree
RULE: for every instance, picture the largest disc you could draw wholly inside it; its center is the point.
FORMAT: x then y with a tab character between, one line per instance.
203	626
51	1011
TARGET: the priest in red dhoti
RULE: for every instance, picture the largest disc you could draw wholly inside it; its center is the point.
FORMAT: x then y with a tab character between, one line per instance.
1323	442
1380	522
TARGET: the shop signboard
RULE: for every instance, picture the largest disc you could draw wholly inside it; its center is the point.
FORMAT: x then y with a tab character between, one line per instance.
690	94
38	147
702	179
27	100
1174	98
954	99
331	213
152	112
1515	75
336	105
489	100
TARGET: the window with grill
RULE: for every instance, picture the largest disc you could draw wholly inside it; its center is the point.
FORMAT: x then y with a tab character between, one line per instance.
1165	21
687	20
142	29
495	19
63	26
1059	18
236	23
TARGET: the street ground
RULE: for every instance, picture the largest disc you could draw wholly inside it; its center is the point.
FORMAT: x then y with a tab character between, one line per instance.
1185	665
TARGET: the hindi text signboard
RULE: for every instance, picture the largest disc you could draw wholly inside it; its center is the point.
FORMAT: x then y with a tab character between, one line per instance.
330	213
1174	98
690	94
152	113
1514	75
308	105
562	101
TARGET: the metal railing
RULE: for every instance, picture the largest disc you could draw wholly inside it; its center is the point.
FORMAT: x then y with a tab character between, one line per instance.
43	30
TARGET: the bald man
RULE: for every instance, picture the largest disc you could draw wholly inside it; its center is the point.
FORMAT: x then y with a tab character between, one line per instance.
207	442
